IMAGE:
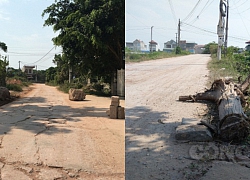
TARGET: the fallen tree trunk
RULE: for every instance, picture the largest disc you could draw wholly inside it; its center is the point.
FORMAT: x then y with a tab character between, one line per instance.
233	124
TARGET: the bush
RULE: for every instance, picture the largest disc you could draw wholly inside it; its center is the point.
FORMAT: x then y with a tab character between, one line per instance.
14	87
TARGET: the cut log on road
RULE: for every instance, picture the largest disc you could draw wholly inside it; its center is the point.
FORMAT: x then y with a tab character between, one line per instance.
233	124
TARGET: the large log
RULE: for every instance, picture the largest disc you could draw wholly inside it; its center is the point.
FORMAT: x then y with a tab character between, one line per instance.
233	124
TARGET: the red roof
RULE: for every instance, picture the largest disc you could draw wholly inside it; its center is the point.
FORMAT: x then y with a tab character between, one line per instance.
153	42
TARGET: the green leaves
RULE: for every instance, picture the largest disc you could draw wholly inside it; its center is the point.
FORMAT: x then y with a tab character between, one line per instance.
91	33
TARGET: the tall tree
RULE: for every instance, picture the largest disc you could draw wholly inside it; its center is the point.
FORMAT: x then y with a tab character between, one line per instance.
3	65
91	33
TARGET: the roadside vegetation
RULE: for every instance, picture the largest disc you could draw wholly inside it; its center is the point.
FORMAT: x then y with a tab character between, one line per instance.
131	56
91	37
235	64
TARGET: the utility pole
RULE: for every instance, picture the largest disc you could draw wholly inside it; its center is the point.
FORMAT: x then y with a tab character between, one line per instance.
221	27
176	39
36	73
19	64
179	32
226	37
151	39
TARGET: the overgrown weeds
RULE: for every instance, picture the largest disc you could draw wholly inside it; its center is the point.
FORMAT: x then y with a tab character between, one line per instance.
138	56
17	83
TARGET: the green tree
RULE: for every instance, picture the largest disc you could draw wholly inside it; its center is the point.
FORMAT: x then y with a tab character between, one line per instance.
50	74
178	50
3	65
210	48
91	33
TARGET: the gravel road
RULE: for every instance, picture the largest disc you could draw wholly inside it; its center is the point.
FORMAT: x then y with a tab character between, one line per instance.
153	113
45	136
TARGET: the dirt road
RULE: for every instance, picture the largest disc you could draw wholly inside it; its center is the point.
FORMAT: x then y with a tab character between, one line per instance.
46	136
153	113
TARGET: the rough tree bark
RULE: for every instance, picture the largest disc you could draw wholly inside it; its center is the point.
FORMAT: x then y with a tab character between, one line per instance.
233	124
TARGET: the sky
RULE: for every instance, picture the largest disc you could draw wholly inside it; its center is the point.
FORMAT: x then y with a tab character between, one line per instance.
199	20
22	30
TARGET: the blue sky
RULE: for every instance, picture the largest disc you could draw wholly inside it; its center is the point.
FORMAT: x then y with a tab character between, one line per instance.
199	21
21	29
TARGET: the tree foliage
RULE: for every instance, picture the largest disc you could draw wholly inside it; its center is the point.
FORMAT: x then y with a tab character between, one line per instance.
91	34
210	48
3	65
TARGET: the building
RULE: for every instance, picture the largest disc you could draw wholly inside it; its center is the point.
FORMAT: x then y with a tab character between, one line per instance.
139	45
28	70
198	49
169	46
130	46
187	46
136	45
153	46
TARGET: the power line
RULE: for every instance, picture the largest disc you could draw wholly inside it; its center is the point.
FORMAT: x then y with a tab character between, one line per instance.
211	32
136	18
43	56
203	9
192	11
239	5
200	28
242	21
172	10
136	29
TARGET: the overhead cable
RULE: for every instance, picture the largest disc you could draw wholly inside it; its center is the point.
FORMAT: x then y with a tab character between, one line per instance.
192	11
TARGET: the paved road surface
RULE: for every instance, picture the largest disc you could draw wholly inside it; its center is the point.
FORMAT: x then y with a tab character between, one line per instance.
46	136
152	91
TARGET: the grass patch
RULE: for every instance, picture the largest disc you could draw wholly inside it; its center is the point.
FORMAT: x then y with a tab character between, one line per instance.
222	68
138	57
14	87
98	89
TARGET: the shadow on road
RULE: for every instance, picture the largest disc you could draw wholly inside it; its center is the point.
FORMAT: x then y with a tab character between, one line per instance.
151	147
34	113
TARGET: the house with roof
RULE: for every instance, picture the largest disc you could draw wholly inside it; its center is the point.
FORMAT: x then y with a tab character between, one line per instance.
187	46
169	46
139	45
130	46
153	46
136	45
28	70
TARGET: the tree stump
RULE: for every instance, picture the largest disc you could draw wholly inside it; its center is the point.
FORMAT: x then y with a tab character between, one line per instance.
233	124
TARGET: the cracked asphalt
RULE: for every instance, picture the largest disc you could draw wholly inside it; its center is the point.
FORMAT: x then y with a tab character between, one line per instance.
45	136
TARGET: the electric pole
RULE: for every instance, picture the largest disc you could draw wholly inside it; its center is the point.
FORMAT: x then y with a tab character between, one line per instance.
226	37
19	64
176	39
36	73
179	32
221	27
151	39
